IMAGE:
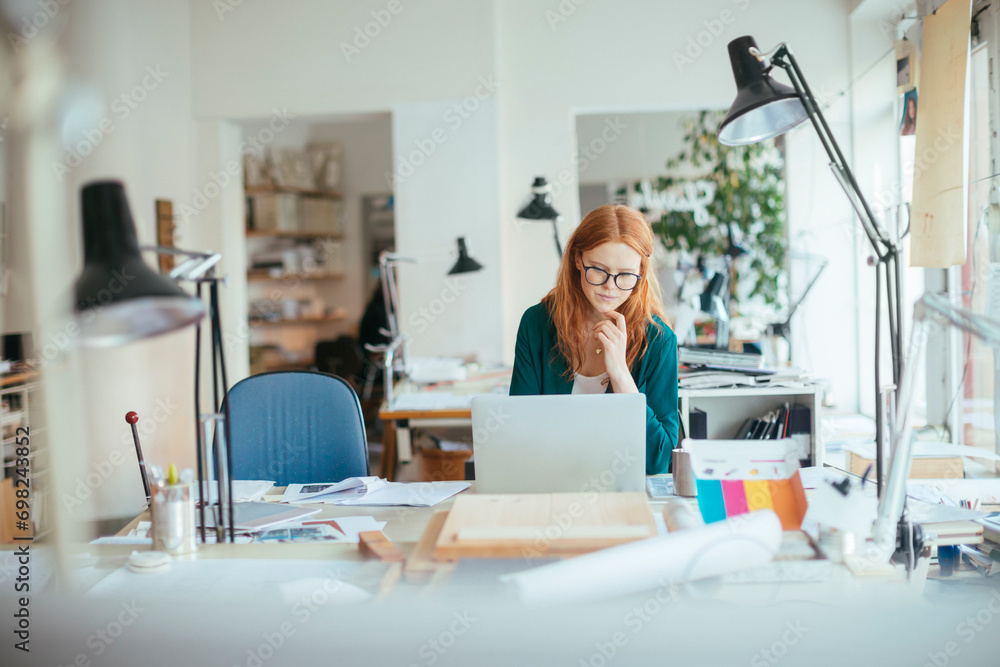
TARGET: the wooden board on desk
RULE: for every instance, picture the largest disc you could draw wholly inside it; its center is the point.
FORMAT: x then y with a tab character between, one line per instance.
542	524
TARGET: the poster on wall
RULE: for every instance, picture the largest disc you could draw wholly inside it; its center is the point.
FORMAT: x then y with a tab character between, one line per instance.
908	123
938	218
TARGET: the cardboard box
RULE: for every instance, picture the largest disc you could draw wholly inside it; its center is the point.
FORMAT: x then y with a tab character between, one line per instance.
740	476
921	467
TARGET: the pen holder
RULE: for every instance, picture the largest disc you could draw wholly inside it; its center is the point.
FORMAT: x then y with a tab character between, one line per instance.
172	509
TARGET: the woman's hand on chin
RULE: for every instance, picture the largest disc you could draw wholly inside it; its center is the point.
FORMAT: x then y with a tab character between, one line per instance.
611	339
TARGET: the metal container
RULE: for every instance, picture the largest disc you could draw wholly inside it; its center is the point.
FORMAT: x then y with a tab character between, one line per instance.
683	478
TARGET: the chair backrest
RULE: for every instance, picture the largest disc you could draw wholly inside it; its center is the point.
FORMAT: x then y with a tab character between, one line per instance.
296	427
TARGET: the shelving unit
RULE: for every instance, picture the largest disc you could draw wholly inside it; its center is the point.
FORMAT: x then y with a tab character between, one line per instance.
257	233
296	258
18	394
320	275
300	320
729	407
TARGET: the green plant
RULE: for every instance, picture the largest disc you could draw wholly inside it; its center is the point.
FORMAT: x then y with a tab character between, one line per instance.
749	194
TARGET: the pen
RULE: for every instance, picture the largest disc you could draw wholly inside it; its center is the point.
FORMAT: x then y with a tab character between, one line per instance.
171	475
131	418
864	477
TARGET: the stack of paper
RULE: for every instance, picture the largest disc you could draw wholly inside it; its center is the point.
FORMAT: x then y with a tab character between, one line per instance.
373	491
244	490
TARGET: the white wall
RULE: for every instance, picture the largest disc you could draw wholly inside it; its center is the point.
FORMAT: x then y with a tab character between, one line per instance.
617	57
263	55
633	146
451	193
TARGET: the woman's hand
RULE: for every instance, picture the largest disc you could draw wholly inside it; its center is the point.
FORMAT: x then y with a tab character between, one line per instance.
611	339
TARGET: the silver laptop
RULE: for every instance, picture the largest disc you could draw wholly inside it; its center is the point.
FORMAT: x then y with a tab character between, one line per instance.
565	443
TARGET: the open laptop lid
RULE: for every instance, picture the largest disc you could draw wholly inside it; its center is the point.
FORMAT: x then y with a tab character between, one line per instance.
559	443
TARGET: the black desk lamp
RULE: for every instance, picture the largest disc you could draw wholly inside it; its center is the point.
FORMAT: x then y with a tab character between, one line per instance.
387	262
764	109
540	208
120	299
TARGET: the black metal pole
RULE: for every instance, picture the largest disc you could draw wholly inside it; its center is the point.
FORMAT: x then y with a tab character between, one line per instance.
899	318
219	462
886	250
224	407
891	301
202	485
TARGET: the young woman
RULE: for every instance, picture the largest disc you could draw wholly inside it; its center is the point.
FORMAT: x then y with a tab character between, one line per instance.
601	328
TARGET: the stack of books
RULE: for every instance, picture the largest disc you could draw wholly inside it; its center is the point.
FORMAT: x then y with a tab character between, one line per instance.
780	423
721	360
703	368
985	556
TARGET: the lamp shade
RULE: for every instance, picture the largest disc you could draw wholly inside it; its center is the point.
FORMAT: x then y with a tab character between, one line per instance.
540	206
465	263
119	298
763	108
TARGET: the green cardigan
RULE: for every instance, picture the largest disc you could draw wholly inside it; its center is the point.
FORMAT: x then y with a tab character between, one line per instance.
539	368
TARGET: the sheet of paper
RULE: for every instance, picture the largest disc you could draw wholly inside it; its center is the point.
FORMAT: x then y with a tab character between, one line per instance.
318	532
414	494
350	526
331	492
432	400
953	491
425	370
256	516
244	490
122	539
811	476
938	228
660	487
287	580
924	513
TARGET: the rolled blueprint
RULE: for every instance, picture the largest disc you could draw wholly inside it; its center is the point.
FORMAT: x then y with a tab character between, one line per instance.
742	542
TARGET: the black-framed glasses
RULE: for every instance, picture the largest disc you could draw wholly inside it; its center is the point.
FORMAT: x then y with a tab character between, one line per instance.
623	281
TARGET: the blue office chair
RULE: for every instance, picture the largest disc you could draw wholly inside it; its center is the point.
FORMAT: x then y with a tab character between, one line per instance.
296	427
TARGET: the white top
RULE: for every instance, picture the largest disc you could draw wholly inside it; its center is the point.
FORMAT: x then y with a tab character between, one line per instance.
590	385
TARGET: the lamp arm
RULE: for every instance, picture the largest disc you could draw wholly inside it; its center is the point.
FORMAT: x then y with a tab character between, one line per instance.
198	265
387	277
876	235
802	297
886	249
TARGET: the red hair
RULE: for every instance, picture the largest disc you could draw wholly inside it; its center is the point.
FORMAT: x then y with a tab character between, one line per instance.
566	302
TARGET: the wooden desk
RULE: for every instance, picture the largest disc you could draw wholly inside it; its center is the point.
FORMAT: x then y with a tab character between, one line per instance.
484	383
394	419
